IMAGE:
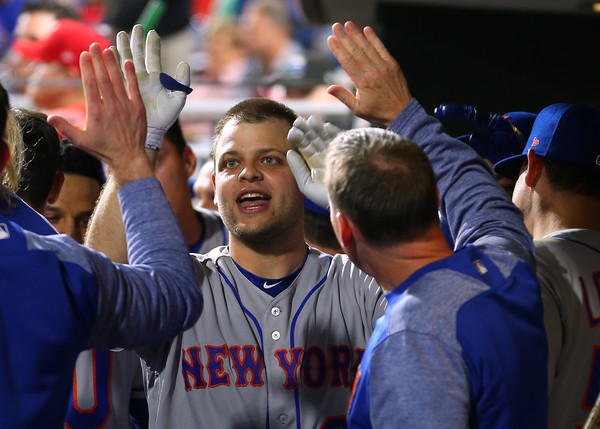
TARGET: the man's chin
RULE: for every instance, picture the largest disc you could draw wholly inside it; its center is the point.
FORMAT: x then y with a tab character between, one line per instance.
255	235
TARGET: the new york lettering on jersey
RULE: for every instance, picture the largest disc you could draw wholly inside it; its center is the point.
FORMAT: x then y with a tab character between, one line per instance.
243	366
256	360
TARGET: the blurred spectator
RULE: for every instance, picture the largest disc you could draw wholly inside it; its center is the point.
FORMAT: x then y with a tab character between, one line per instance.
225	64
267	30
54	85
34	21
226	55
204	190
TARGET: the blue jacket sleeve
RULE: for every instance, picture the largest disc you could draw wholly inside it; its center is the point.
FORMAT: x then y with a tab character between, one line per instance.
157	295
478	211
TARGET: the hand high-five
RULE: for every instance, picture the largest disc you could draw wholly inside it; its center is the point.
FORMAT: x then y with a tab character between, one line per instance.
381	89
115	127
163	96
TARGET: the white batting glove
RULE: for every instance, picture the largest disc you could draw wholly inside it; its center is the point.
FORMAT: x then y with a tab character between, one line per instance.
311	137
163	96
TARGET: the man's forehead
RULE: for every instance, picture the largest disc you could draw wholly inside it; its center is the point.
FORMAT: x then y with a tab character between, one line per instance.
249	136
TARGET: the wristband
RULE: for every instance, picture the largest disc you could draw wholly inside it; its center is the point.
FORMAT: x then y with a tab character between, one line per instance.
154	138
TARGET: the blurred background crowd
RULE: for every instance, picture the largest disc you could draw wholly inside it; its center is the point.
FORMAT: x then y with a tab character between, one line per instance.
236	49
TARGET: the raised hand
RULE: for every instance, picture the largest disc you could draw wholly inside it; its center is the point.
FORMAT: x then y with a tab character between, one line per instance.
163	96
381	88
115	126
311	137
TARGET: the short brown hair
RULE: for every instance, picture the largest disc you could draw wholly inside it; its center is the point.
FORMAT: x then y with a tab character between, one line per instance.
253	111
384	183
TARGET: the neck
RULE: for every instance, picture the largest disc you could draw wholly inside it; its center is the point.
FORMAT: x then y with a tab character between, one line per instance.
563	210
392	265
271	259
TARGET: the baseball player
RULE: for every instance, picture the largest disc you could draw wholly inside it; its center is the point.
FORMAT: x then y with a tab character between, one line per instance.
565	255
284	325
462	343
59	297
557	176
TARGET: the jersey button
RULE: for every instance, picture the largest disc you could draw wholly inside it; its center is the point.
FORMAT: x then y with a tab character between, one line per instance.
275	311
283	419
275	335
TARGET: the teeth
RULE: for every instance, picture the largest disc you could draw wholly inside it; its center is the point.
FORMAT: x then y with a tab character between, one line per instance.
252	195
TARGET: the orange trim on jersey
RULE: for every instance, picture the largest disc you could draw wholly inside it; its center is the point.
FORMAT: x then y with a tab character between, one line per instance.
91	410
353	389
589	383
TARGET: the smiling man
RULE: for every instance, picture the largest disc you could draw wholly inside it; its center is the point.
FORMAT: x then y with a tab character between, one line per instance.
284	325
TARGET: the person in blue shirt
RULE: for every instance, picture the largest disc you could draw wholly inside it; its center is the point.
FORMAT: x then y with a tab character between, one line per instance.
58	297
462	342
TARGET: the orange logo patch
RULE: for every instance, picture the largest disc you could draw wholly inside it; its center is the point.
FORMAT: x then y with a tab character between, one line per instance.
536	142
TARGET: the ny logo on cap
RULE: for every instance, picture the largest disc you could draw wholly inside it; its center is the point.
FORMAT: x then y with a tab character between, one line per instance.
536	142
598	160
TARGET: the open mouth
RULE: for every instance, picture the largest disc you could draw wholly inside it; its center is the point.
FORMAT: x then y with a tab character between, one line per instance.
253	200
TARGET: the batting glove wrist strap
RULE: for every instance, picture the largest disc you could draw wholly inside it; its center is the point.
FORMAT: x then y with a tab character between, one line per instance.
154	138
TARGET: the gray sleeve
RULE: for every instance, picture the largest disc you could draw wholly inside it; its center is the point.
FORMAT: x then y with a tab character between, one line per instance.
476	208
157	296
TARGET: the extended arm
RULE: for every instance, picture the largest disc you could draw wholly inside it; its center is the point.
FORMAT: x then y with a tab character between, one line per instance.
163	104
474	205
157	296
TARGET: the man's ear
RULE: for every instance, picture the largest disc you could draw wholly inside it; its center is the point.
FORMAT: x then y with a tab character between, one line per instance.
189	161
346	229
57	182
535	166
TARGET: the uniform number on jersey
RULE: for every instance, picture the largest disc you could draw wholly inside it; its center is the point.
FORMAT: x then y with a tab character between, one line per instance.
97	415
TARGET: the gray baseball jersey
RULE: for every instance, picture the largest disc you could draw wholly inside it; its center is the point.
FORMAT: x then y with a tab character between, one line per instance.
254	361
105	382
568	269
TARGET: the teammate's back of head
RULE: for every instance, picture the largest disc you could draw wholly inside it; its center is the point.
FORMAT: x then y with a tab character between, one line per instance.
567	136
384	183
